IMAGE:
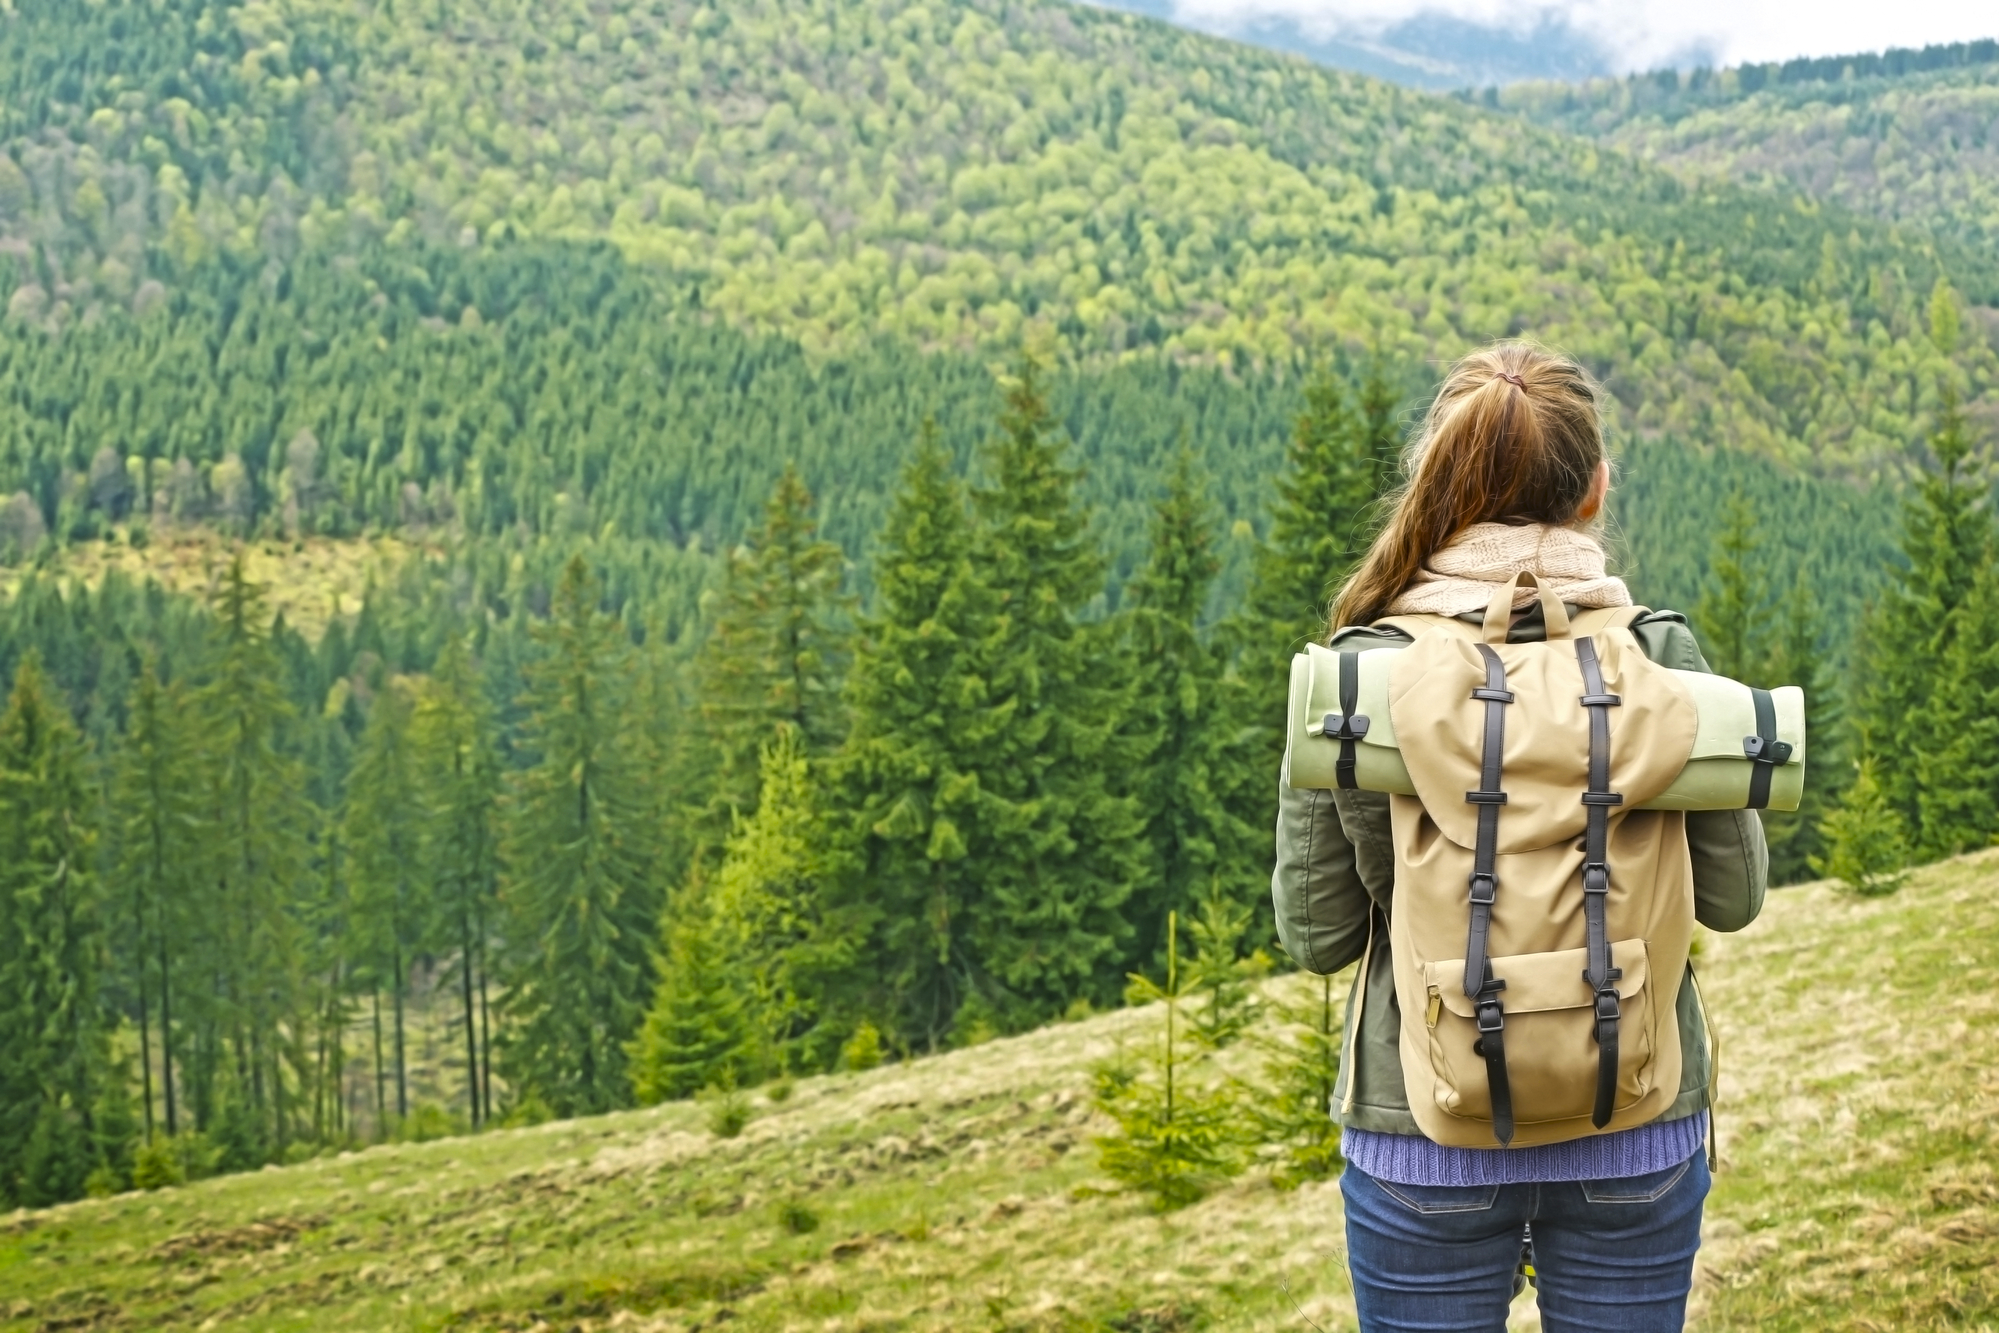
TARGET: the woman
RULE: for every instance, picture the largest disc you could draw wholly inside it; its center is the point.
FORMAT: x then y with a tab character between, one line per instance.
1508	474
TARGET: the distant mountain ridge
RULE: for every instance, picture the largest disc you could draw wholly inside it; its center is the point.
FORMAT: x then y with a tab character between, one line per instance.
967	174
1433	51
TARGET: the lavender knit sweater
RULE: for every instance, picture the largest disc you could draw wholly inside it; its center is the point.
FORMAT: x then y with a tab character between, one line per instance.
1410	1159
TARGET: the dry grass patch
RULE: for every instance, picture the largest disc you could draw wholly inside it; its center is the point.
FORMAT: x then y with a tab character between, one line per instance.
306	579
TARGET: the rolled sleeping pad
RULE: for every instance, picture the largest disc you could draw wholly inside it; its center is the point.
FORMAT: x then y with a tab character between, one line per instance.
1717	775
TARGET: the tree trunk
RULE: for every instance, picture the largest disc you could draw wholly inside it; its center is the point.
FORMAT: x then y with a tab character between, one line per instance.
166	1030
145	1026
402	1072
381	1087
471	1036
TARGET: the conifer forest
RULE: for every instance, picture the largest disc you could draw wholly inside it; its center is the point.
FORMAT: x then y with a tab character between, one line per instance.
857	471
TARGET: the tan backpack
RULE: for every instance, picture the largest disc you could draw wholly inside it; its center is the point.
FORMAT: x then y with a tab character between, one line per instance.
1539	940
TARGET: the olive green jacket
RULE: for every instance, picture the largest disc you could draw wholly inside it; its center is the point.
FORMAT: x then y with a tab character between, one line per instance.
1334	888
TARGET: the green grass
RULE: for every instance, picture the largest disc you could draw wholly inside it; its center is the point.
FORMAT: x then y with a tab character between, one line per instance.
1858	1189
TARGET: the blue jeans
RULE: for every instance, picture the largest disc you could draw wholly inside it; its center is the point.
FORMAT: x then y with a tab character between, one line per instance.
1610	1256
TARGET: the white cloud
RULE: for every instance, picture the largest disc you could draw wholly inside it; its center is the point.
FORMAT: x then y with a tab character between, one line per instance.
1645	34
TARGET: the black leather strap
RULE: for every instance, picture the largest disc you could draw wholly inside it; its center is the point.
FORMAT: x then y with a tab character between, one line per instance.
1479	983
1766	753
1598	974
1351	728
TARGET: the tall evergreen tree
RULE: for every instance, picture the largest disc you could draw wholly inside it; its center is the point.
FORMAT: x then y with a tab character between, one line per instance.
776	647
459	771
579	861
1733	613
1796	657
1947	538
770	897
1958	783
923	712
1334	469
382	825
261	821
51	936
161	850
1058	840
1187	711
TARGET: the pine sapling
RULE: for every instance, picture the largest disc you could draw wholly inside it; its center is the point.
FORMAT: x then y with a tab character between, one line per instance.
1176	1136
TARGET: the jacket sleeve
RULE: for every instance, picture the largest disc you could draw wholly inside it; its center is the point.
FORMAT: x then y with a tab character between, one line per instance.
1322	905
1731	858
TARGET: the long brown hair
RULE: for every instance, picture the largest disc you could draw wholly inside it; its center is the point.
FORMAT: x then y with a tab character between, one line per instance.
1514	436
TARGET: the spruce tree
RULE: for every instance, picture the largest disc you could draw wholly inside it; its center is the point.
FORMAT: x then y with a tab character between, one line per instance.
776	647
1947	539
1867	847
1796	657
698	1032
1056	837
1335	468
1187	712
768	897
382	825
458	764
161	849
1958	782
51	937
1733	610
579	861
260	819
923	714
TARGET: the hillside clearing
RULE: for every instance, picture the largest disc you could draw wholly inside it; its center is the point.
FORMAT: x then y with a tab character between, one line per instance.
1859	1086
308	580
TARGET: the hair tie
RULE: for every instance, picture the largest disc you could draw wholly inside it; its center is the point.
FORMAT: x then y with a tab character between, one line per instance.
1513	379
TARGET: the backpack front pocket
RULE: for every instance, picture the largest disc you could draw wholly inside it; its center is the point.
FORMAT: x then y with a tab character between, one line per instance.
1549	1035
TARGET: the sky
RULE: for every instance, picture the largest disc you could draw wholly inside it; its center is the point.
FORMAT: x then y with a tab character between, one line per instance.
1629	34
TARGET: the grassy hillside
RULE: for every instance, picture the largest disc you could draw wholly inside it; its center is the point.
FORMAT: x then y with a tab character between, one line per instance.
965	174
1914	141
956	1192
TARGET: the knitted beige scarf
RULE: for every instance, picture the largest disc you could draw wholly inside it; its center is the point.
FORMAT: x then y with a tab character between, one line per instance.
1461	576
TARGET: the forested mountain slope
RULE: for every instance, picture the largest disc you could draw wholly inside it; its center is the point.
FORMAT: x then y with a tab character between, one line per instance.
966	173
1911	136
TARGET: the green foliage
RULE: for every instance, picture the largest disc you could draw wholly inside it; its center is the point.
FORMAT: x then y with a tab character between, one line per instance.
1057	844
1220	970
1903	134
728	1112
1908	711
796	1218
775	648
1199	785
1301	1067
1178	1134
51	1034
1867	847
863	1050
579	889
158	1165
699	1031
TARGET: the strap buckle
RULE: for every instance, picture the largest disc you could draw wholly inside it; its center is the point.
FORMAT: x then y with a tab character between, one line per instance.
1351	727
1602	701
1490	1017
1767	750
1484	887
1493	696
1608	1006
1596	877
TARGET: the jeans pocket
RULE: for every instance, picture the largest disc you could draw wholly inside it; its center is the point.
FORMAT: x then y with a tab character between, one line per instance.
1436	1200
1637	1189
